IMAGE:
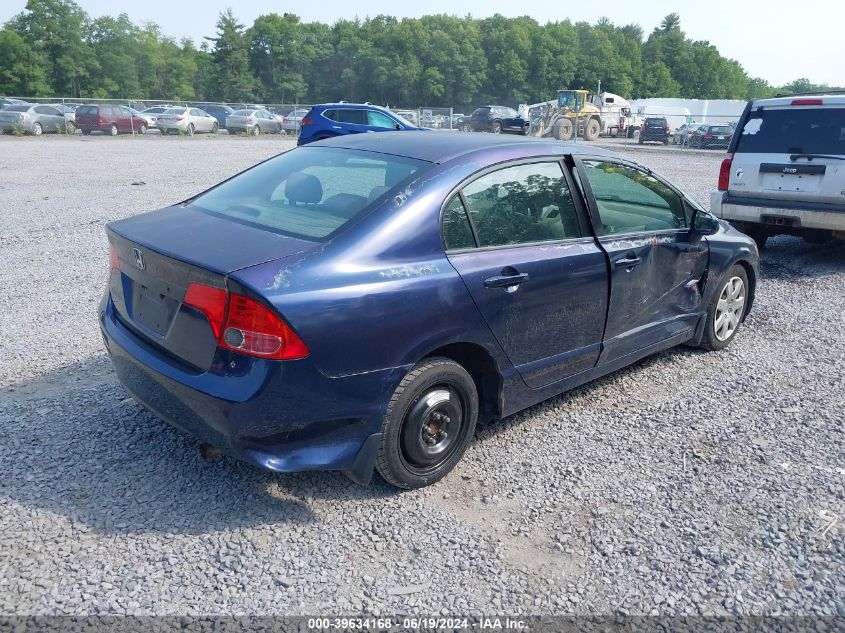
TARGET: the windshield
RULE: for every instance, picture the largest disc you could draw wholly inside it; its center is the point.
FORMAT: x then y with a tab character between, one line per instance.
794	130
402	119
309	192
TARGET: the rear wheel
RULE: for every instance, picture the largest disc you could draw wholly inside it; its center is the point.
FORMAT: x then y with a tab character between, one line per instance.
86	132
191	129
256	131
113	130
497	127
429	423
592	130
215	128
37	130
465	128
726	310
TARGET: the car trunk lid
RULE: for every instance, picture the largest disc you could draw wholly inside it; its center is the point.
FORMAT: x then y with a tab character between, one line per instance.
160	254
791	153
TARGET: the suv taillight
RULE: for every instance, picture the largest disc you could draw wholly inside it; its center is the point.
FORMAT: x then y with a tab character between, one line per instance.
243	325
725	172
306	121
114	259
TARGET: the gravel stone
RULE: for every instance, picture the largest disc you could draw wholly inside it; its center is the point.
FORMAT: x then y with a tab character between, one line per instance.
694	483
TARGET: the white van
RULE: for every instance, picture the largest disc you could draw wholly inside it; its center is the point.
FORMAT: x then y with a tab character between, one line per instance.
785	170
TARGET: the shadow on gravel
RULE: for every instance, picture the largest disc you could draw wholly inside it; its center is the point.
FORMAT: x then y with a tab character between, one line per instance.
73	443
787	257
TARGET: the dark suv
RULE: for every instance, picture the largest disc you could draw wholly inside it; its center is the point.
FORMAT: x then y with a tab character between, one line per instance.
498	119
655	129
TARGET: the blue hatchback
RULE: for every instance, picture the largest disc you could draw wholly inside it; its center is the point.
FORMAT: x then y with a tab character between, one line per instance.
336	119
361	303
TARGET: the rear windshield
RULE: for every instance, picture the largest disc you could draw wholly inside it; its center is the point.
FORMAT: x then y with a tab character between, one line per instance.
88	109
309	192
241	112
482	110
655	121
721	129
17	108
794	130
175	111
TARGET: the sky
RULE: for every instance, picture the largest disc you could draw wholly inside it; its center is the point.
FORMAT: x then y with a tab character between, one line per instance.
777	40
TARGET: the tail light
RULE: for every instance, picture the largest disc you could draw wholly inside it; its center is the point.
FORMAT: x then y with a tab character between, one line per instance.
114	259
179	118
250	119
666	129
707	136
243	325
725	172
306	121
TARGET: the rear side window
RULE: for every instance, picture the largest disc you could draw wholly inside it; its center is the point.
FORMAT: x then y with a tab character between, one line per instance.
87	110
457	232
522	204
358	117
310	192
794	130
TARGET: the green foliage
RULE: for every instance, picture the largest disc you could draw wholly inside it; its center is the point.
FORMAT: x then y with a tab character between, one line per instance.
54	49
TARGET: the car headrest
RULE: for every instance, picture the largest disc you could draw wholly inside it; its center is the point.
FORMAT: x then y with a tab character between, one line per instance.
304	188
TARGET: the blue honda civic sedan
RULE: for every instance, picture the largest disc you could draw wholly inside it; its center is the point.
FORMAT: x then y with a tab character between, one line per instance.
361	303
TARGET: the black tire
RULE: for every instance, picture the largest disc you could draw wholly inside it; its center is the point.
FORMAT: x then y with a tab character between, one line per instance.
191	129
256	131
466	128
142	129
497	127
592	130
37	129
562	129
215	128
113	130
86	132
420	442
712	340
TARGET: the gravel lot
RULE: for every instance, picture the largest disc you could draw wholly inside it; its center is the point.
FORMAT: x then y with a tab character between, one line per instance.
690	483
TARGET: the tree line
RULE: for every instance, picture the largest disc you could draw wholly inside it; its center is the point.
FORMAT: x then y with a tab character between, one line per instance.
53	48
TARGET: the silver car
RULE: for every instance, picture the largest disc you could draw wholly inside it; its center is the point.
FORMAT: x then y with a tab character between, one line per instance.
188	121
35	119
292	121
253	122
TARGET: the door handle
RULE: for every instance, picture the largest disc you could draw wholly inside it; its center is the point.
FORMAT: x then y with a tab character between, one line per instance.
504	281
628	262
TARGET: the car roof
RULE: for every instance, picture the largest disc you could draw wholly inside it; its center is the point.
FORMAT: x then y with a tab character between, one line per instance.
351	105
827	99
439	147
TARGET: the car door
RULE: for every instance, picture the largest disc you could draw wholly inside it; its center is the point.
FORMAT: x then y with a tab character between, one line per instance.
511	120
655	269
49	118
520	242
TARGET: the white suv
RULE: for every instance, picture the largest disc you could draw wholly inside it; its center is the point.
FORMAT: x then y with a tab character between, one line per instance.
785	170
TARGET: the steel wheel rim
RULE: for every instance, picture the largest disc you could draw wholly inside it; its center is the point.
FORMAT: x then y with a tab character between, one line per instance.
36	129
433	428
729	309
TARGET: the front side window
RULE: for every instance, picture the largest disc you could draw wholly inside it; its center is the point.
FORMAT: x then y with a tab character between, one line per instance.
380	120
309	192
521	204
630	200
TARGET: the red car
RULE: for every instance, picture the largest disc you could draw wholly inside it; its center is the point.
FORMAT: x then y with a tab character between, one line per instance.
111	119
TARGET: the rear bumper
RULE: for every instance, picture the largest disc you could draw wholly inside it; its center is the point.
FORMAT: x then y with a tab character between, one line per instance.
284	417
778	213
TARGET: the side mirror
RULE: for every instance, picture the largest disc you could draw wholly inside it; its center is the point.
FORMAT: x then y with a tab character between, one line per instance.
703	224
